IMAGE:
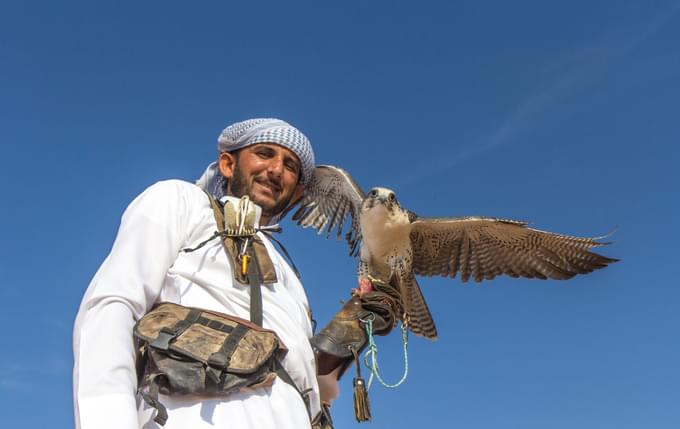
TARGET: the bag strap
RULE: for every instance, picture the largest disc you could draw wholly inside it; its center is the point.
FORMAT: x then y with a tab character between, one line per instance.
151	398
253	273
167	334
255	281
286	378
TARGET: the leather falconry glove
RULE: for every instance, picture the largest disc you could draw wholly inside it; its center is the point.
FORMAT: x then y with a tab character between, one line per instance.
339	342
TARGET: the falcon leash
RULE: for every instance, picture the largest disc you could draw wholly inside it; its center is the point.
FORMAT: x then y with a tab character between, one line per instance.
372	356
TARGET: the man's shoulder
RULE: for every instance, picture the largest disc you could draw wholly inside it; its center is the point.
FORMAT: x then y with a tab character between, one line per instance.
172	194
175	186
175	189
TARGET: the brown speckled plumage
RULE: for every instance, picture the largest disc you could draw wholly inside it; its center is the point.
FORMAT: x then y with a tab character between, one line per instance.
478	248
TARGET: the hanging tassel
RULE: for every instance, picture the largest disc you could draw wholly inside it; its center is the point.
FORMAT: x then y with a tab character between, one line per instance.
362	408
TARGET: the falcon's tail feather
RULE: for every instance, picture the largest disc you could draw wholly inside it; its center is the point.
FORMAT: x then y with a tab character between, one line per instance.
419	318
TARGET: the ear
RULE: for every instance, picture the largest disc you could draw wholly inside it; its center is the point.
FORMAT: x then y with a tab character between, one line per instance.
227	164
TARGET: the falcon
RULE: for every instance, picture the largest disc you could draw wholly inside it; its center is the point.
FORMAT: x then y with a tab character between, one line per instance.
394	244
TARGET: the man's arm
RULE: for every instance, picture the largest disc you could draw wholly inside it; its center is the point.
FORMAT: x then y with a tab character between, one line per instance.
125	287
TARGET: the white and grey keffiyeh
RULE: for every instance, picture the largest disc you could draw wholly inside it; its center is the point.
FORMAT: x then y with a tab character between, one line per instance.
260	130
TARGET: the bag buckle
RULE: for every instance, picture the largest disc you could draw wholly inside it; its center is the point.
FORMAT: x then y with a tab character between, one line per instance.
162	342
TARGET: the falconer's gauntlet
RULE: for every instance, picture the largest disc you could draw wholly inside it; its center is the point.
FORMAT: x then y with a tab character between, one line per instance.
339	343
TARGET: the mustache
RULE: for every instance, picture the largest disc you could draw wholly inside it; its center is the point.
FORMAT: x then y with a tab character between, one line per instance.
270	183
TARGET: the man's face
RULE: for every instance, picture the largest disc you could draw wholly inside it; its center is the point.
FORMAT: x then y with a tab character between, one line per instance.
267	173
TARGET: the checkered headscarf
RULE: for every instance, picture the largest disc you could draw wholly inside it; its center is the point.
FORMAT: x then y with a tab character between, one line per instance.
260	130
269	130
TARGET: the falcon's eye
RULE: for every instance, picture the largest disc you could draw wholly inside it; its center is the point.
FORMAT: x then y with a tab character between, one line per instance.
373	193
392	197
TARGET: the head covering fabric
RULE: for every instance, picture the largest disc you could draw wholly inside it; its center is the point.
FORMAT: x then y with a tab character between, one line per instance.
269	130
253	131
212	181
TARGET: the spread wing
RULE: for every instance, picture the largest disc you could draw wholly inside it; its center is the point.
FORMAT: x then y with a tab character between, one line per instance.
330	197
483	248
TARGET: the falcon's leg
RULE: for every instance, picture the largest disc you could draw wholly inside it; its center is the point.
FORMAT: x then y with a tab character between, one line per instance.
365	281
365	286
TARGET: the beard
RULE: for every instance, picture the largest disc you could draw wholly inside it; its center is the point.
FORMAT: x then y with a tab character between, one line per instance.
239	186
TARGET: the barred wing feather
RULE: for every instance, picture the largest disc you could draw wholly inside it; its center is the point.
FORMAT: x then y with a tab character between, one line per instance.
482	248
330	197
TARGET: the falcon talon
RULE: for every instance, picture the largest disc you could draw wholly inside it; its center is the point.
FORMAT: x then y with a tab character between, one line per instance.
365	285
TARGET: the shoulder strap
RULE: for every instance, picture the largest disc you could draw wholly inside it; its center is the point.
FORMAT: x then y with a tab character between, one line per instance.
218	211
254	274
255	281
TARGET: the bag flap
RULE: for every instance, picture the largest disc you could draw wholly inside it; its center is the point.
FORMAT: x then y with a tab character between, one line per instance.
209	336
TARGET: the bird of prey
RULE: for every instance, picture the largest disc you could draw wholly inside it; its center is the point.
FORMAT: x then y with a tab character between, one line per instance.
394	244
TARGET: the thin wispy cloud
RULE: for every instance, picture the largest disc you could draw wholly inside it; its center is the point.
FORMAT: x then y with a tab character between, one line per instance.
57	322
562	77
577	69
21	377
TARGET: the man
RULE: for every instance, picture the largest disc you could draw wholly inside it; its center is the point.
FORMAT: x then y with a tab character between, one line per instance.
266	159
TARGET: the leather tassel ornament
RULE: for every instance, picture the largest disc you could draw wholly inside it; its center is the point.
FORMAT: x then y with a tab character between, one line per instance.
362	408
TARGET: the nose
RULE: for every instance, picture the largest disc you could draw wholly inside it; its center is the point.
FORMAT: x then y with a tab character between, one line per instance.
275	166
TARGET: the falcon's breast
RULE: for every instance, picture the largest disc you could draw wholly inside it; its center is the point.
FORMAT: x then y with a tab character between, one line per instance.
386	237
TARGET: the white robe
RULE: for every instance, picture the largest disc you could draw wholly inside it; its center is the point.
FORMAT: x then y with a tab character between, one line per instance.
146	266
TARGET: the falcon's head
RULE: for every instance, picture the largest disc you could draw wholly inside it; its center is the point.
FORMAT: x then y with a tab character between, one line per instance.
381	197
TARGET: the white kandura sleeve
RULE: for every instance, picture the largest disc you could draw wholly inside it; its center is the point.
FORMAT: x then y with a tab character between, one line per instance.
125	287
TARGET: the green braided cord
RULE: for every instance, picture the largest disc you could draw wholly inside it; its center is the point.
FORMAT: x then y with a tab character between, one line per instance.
372	352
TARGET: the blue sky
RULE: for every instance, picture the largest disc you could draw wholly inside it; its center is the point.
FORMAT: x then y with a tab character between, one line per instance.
564	114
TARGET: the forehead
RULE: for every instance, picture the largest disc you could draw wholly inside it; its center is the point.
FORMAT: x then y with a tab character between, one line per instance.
278	149
275	147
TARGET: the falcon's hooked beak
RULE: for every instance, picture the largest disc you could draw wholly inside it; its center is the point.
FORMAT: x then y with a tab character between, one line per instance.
381	196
